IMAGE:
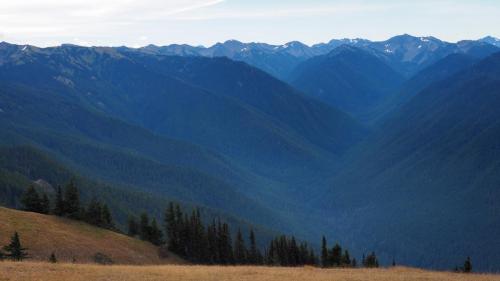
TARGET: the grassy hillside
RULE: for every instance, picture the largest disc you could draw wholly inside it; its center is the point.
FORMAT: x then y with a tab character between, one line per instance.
69	239
40	271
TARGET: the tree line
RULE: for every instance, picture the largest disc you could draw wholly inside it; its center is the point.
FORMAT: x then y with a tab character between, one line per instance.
187	236
66	203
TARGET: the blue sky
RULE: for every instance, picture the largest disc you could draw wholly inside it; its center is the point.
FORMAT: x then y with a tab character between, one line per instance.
204	22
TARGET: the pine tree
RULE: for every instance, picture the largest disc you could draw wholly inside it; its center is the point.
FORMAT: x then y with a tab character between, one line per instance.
354	263
144	228
370	260
59	208
14	250
133	227
53	258
240	249
468	265
254	256
171	228
31	200
72	201
106	218
155	235
93	213
44	204
336	255
393	262
346	259
324	253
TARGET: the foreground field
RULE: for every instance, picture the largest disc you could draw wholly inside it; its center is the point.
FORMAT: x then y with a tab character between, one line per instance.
55	272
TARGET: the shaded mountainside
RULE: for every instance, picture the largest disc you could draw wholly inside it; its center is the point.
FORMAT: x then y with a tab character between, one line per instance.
22	166
348	78
246	147
442	69
75	241
428	179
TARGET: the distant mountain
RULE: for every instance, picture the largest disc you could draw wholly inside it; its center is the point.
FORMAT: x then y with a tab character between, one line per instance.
438	71
428	178
491	40
405	53
348	78
210	131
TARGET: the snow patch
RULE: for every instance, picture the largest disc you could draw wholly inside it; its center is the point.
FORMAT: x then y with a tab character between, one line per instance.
24	48
423	39
420	46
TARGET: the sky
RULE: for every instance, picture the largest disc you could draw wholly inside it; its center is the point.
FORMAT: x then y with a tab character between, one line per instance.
137	23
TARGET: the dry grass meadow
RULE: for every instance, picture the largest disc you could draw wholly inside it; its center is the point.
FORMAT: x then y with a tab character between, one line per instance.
69	239
11	271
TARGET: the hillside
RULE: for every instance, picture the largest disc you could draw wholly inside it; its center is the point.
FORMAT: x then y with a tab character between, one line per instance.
429	176
69	239
348	78
42	272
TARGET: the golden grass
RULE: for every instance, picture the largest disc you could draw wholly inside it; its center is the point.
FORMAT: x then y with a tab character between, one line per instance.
12	271
69	239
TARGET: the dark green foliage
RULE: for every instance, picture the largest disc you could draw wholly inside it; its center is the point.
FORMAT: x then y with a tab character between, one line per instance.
72	201
354	263
45	204
325	261
284	251
14	250
59	209
98	214
468	265
240	250
52	258
133	227
31	200
346	259
335	256
149	230
254	254
370	261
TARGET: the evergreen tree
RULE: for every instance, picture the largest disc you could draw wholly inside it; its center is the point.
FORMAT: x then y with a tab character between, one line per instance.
72	201
325	262
106	218
346	259
336	255
44	204
155	235
354	263
14	250
93	214
240	251
52	258
393	262
144	228
59	208
133	227
171	228
468	265
254	255
31	200
371	260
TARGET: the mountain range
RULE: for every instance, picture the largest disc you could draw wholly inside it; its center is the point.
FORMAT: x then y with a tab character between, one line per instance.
386	146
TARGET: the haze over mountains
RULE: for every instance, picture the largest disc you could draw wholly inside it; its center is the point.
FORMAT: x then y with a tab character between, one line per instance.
388	146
